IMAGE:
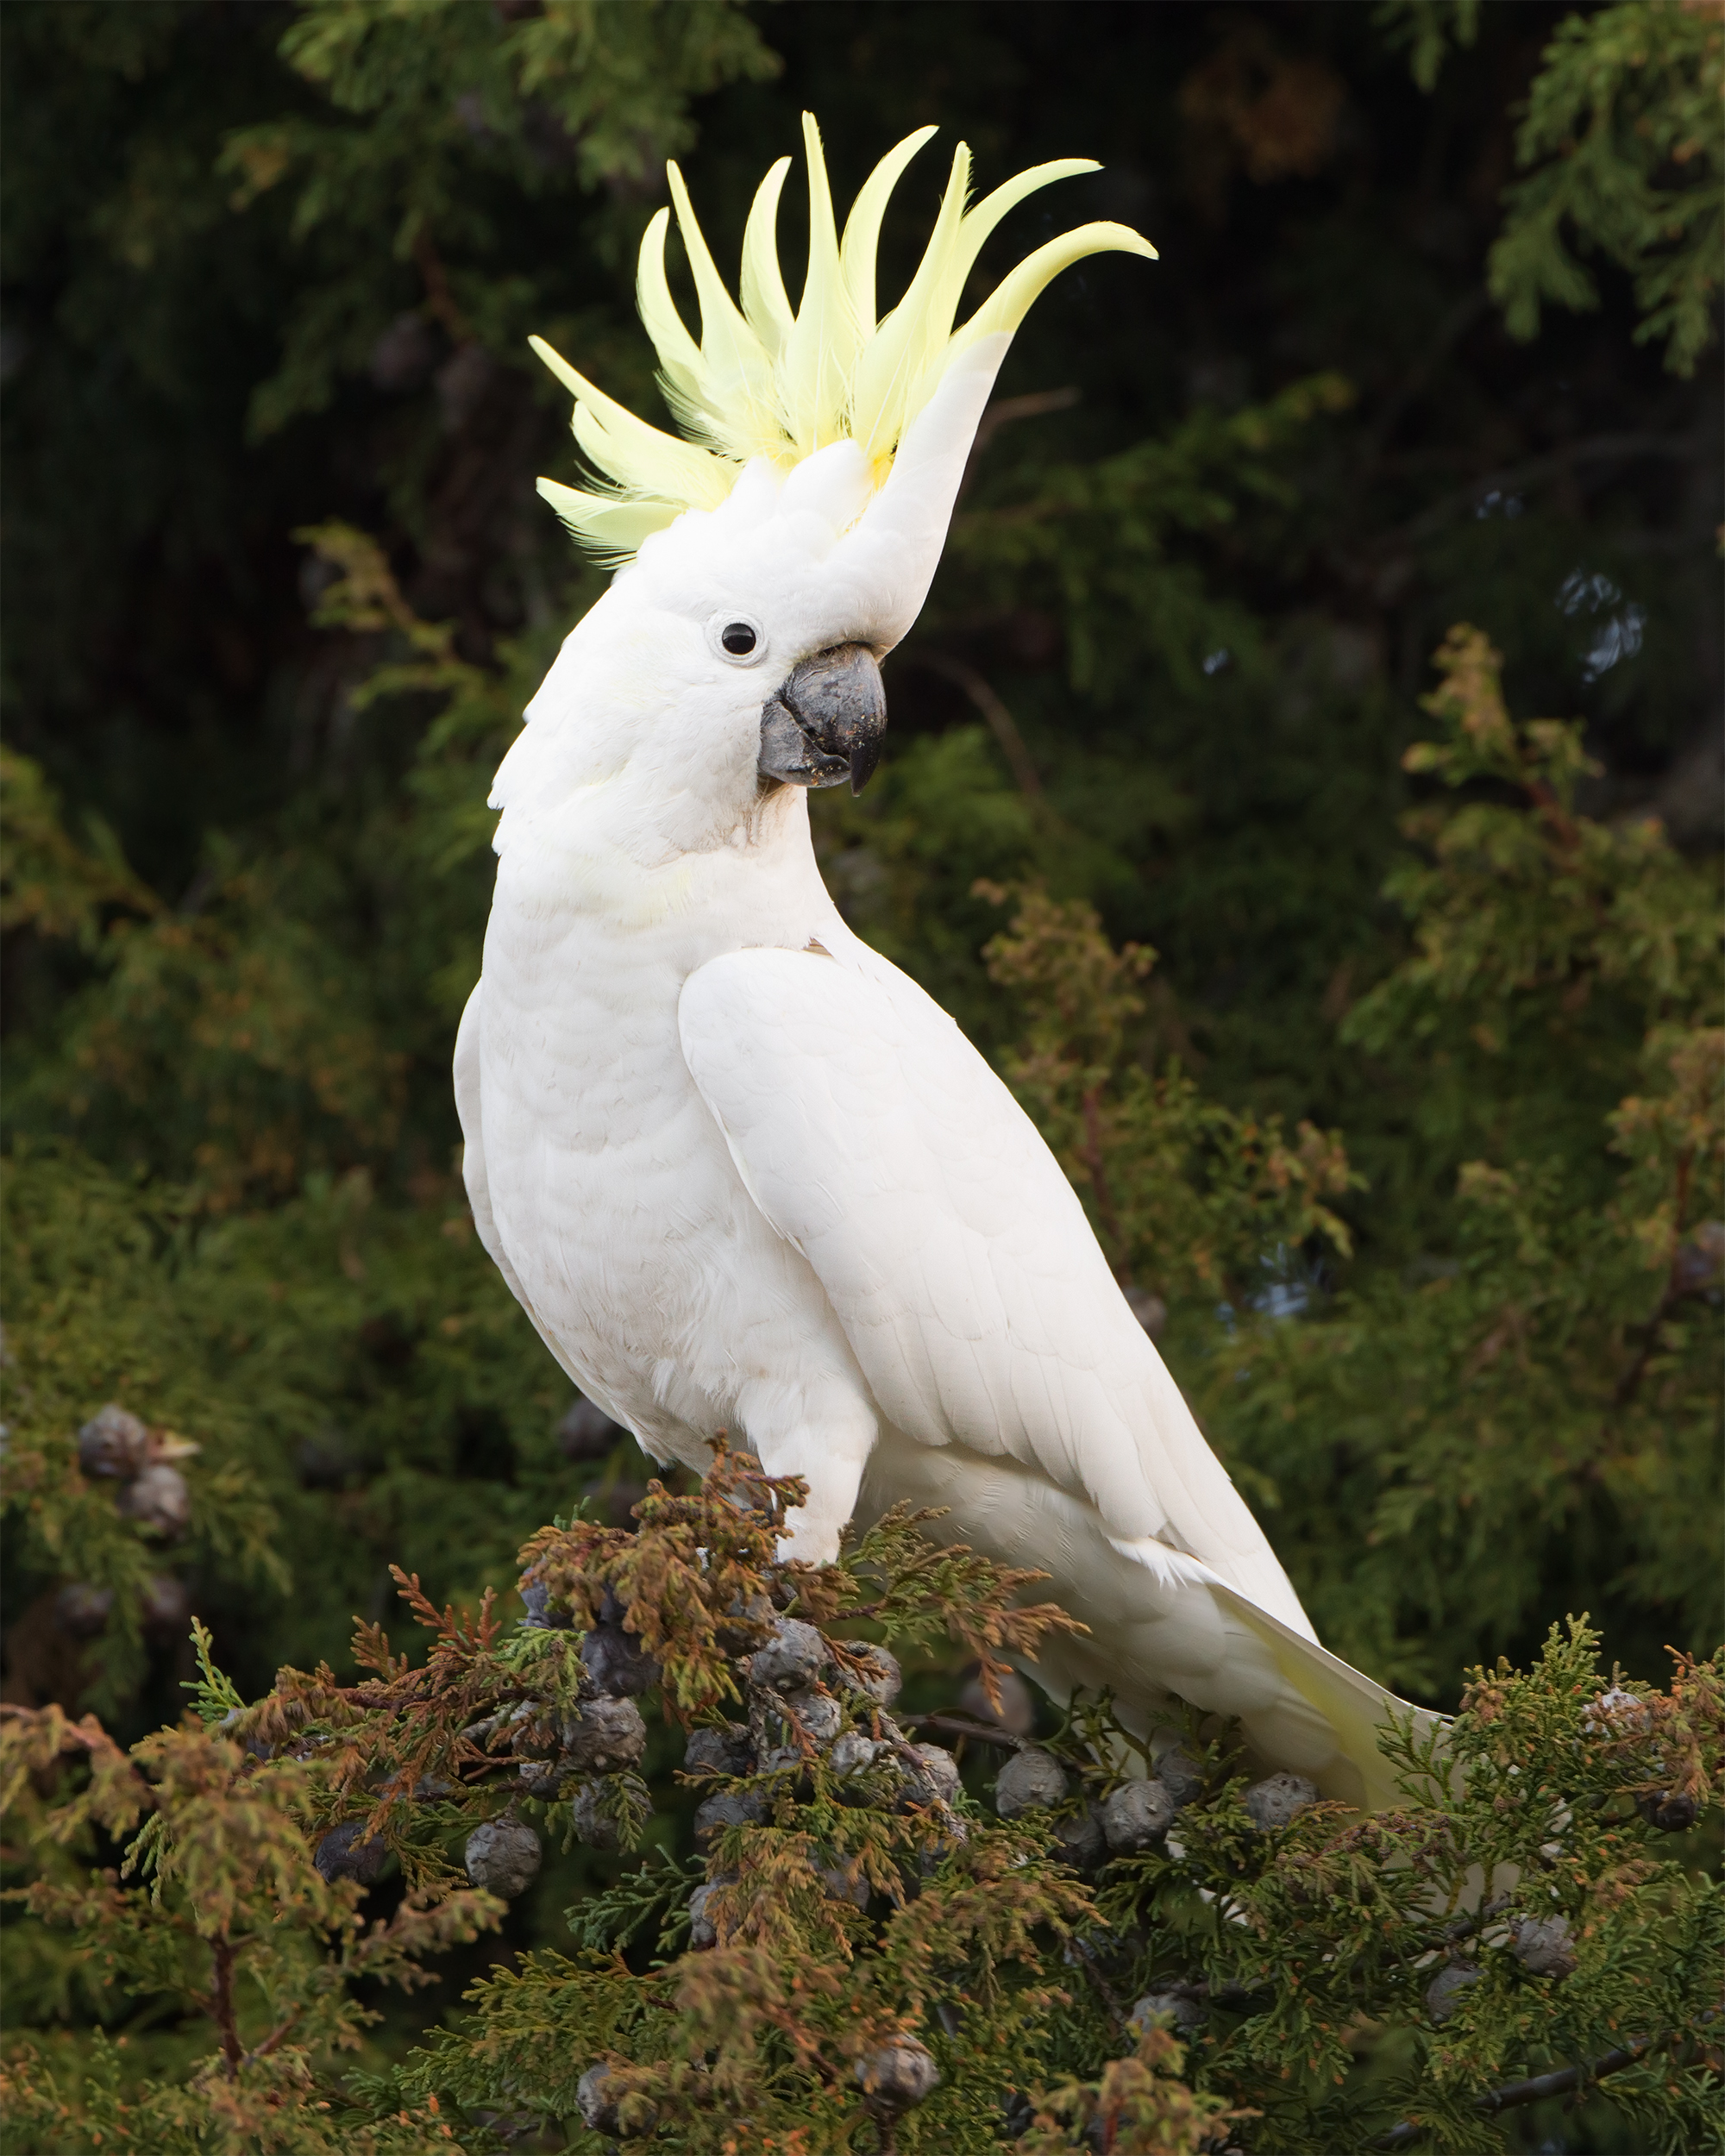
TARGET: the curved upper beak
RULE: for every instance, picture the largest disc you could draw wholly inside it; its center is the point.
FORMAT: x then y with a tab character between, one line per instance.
825	722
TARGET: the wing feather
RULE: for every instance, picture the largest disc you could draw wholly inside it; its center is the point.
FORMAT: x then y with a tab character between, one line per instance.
956	1254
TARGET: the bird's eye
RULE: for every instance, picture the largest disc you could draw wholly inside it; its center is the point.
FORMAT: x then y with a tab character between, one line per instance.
738	639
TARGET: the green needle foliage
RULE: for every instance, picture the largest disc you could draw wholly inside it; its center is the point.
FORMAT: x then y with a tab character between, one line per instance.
1622	140
434	117
216	1912
1624	130
1425	27
868	1956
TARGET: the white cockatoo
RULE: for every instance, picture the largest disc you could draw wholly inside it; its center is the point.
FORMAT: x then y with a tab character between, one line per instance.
743	1174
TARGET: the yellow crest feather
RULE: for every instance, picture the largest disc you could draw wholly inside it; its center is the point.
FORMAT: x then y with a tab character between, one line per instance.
764	380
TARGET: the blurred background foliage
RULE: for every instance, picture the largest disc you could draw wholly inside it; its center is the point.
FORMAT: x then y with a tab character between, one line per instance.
1390	1072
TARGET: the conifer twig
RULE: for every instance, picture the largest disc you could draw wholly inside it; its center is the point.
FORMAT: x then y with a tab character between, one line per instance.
1001	413
1001	721
955	1728
1630	1384
221	2006
439	299
1534	471
1559	2083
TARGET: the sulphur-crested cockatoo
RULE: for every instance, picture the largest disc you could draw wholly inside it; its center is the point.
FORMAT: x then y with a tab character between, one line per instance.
743	1175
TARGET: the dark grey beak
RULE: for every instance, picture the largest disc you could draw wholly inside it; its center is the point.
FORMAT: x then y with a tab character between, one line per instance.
826	721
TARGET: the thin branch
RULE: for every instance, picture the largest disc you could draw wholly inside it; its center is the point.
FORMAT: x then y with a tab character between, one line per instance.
1534	2090
1455	325
221	2006
1563	826
1462	1927
984	1733
1609	449
1092	1158
1001	724
1001	413
1630	1382
277	2037
1084	1956
438	296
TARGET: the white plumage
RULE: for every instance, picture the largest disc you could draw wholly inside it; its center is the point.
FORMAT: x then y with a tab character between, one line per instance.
745	1176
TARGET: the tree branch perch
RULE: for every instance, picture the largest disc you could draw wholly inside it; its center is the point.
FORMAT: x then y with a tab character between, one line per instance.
1533	2090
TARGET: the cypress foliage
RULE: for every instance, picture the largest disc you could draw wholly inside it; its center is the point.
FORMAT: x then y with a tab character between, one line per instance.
1142	1942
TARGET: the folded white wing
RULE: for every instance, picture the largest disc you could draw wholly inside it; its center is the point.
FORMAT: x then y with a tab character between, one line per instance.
1019	1388
955	1252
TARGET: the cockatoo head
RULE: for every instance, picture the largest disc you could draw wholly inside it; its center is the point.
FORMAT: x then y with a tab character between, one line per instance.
770	558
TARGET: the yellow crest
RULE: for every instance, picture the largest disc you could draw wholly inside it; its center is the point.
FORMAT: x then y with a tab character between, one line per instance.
764	382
